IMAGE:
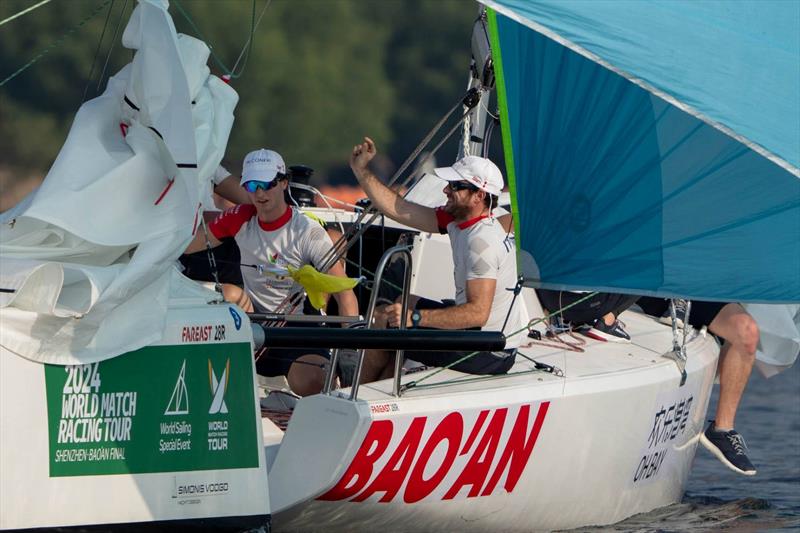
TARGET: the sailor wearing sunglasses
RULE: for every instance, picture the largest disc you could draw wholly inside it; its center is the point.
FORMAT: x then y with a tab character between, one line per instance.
270	232
483	255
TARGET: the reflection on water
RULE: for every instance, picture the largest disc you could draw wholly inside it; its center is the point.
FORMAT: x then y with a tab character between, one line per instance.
707	513
718	499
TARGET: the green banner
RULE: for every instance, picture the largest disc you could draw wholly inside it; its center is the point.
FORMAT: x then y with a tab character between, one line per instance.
158	409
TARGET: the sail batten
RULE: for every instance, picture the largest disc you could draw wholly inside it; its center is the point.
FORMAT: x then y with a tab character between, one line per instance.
90	255
620	184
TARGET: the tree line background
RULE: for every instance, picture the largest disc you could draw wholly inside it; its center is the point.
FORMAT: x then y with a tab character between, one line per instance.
321	74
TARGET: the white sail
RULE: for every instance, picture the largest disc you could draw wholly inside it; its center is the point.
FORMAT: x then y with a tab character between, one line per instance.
88	258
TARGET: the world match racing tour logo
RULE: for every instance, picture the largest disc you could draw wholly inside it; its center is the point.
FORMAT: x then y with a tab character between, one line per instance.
431	461
218	388
179	432
96	424
218	429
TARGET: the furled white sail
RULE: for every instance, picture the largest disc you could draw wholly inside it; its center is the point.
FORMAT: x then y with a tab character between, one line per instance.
88	259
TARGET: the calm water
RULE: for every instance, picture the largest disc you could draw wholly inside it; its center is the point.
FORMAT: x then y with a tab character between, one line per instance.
720	500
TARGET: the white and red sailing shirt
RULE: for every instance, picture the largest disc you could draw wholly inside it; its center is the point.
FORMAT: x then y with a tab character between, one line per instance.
482	250
291	240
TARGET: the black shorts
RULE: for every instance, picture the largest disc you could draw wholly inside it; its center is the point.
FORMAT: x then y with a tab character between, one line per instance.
589	309
703	313
482	363
277	361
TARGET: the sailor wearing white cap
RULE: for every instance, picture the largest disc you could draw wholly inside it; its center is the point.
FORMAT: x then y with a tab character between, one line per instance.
483	254
270	233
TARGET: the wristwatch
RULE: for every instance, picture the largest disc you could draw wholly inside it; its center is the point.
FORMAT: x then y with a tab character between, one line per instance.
415	318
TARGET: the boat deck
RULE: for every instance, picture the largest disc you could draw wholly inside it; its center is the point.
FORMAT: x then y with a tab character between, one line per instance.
587	358
573	356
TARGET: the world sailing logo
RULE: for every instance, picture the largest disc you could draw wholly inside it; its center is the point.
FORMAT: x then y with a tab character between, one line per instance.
179	401
218	388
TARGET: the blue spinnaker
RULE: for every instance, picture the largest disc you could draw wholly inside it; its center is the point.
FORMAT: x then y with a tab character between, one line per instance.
653	147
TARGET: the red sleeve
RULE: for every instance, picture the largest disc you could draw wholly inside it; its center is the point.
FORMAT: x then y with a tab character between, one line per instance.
443	218
231	221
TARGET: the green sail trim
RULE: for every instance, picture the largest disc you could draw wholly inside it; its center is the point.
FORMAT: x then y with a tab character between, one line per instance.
505	128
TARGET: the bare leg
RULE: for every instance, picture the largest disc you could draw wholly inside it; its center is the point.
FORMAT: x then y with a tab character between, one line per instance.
236	295
388	369
307	379
736	359
376	363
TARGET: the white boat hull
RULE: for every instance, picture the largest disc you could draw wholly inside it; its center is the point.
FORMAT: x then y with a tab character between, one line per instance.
530	452
143	437
615	437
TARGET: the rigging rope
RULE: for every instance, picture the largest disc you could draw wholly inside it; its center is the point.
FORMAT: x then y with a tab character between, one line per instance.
111	49
527	327
260	269
97	51
52	45
363	269
555	340
345	241
248	45
212	261
23	12
357	229
538	367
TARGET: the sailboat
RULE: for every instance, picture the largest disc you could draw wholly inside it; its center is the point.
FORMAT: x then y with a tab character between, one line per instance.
120	376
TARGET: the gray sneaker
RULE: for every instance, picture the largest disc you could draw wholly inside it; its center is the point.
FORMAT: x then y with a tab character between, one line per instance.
680	314
728	447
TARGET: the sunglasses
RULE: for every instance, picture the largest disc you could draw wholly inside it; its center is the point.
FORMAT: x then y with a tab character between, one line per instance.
460	186
253	185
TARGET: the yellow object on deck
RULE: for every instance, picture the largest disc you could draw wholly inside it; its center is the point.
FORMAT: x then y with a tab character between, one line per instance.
317	284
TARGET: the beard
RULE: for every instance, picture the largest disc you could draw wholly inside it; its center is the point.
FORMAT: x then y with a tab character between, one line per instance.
457	211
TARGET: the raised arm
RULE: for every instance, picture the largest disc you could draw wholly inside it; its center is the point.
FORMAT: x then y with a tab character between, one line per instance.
230	189
385	199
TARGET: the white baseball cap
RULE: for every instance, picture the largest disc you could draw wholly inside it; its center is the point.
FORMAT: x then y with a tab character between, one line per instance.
478	171
262	165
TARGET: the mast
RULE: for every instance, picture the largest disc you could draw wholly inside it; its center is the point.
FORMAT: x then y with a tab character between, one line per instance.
476	131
